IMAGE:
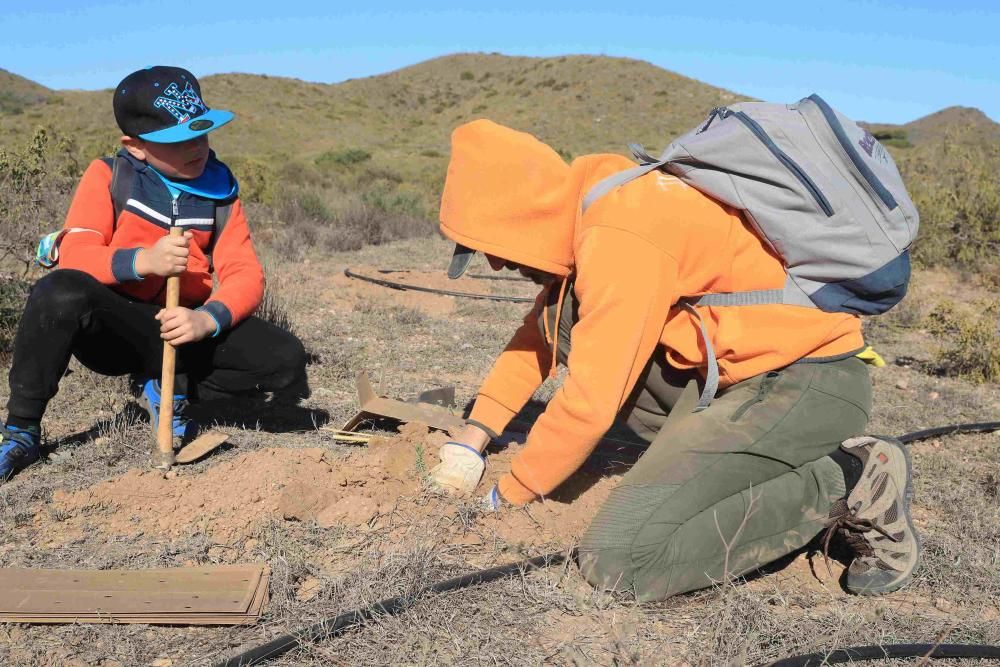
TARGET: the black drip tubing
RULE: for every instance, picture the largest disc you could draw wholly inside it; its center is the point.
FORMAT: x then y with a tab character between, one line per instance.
860	653
352	619
337	625
433	290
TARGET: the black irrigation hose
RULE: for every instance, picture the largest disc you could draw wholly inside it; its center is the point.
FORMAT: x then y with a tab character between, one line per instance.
477	276
982	427
352	619
433	290
860	653
337	625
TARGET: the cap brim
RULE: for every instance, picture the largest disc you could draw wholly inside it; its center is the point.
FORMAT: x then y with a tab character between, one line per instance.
206	122
460	261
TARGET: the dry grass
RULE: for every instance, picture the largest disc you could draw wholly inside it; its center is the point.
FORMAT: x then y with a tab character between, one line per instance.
412	342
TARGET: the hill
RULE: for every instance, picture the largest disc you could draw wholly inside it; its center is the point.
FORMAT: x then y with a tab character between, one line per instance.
18	93
382	141
576	103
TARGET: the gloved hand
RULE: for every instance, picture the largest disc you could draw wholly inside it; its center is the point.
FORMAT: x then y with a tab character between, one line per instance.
460	469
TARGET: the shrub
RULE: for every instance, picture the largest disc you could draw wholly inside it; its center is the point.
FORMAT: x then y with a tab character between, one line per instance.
970	346
36	184
13	293
256	178
343	157
954	186
467	76
394	200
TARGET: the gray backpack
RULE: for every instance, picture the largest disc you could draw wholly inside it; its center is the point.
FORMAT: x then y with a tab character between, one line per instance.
817	187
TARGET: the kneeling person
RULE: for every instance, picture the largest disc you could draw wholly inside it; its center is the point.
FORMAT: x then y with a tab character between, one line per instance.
770	462
104	305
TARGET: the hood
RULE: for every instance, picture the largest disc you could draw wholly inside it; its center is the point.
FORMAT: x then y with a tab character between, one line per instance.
509	195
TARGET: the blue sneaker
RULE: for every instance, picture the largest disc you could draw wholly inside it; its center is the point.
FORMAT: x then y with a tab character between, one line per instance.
185	429
19	449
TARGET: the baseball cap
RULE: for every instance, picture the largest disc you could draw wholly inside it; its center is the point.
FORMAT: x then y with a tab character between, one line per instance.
163	105
460	261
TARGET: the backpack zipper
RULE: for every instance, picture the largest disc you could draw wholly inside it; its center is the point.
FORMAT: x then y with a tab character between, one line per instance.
783	158
875	186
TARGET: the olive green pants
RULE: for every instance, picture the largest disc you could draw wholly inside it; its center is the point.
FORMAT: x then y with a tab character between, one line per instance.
723	491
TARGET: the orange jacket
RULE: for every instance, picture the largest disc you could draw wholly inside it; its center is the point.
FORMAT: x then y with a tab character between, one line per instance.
108	254
634	253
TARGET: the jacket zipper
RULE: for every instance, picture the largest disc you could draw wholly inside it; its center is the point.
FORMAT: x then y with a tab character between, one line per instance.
766	384
784	159
874	185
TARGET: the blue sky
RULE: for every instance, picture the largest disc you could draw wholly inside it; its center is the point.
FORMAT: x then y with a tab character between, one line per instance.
877	61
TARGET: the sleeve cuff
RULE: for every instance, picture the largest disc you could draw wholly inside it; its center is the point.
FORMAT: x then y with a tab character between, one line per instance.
218	327
490	415
123	265
223	318
514	492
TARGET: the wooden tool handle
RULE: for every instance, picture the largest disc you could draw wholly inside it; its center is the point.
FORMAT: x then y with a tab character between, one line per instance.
164	433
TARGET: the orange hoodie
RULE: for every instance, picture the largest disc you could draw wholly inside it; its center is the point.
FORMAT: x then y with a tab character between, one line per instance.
634	253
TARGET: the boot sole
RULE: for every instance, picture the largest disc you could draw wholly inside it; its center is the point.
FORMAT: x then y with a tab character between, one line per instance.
907	500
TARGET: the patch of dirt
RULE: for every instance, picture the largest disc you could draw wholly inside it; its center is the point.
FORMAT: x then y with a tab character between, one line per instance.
228	502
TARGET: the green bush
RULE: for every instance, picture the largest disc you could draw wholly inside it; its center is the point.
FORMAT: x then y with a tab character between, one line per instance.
954	184
467	76
257	179
343	157
390	199
970	341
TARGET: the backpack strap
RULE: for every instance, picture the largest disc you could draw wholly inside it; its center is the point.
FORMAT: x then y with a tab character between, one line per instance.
121	184
222	215
646	164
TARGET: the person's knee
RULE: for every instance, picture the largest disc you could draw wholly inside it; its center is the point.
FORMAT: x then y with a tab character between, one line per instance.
63	293
629	545
288	369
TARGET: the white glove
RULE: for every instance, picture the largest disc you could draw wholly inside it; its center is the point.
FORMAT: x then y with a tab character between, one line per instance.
460	469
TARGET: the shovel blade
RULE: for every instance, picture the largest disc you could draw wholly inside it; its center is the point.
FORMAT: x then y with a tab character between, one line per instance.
200	446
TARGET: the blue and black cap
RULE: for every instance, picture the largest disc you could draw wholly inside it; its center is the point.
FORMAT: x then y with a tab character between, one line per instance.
163	105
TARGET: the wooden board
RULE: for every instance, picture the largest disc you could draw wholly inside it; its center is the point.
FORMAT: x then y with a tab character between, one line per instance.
217	595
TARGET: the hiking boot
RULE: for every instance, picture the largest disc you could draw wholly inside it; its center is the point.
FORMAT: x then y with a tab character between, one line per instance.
875	519
19	449
184	429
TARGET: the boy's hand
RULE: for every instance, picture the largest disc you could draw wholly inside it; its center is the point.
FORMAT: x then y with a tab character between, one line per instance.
182	325
167	257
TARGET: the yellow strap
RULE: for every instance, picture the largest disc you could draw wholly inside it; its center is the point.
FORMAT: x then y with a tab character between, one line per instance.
870	356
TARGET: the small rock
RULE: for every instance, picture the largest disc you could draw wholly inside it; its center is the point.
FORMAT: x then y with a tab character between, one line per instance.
308	589
161	662
943	604
902	384
934	395
170	474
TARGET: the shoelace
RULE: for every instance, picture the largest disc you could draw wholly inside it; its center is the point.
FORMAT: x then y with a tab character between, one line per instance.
850	521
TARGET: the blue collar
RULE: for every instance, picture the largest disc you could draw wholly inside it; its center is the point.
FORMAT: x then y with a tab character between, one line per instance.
216	182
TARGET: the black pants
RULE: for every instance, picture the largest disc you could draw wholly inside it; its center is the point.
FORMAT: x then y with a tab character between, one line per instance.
70	313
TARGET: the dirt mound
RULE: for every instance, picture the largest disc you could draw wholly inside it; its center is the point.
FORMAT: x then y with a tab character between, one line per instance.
227	502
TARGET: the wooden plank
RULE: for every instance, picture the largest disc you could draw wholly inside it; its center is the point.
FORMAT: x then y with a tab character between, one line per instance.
177	579
210	595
